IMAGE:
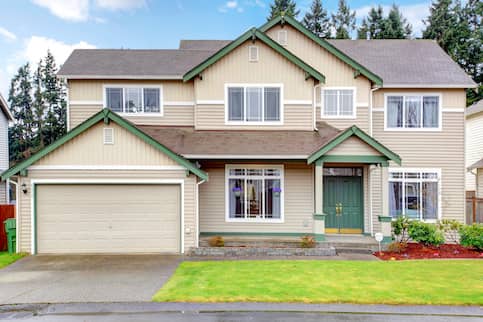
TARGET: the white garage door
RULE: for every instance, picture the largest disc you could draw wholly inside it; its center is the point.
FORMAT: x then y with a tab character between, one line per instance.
108	218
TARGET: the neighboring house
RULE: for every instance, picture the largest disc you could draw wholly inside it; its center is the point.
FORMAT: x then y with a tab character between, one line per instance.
276	133
5	118
474	145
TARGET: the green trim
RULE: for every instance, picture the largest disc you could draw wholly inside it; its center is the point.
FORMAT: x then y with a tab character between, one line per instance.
207	234
320	216
326	45
344	135
384	218
253	34
96	118
371	159
319	237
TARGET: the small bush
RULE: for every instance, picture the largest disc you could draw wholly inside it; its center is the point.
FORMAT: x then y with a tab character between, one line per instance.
308	241
425	233
400	229
216	241
397	247
472	236
450	229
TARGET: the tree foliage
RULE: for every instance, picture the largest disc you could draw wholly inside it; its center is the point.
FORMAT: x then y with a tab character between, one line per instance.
376	26
288	7
317	20
343	21
372	26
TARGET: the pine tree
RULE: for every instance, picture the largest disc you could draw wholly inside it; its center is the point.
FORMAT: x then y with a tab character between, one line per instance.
373	25
395	25
440	24
38	107
288	7
344	21
317	20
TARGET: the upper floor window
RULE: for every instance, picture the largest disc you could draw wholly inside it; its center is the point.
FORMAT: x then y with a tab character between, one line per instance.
413	112
254	103
338	103
134	100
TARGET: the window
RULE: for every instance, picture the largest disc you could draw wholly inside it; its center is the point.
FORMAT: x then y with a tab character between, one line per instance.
338	103
252	53
134	100
254	103
414	194
254	193
282	37
412	112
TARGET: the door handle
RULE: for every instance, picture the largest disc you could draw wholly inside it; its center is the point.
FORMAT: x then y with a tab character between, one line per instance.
338	209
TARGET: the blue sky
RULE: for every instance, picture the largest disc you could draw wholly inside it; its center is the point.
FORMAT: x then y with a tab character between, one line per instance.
29	27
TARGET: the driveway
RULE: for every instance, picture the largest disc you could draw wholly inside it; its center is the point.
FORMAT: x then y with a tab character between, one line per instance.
93	278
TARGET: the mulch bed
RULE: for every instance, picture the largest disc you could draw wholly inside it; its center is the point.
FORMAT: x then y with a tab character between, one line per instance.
419	251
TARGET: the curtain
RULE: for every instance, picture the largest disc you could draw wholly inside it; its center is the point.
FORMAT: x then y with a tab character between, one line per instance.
114	99
272	198
254	103
346	102
330	102
395	111
151	100
430	200
235	104
412	202
395	199
413	111
237	198
133	100
272	104
430	111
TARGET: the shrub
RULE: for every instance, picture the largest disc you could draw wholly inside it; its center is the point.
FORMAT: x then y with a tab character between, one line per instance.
425	233
216	241
400	229
450	229
397	247
472	236
308	241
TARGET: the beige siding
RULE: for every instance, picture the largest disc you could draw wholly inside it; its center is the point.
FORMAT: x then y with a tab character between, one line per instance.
299	203
80	113
361	120
451	98
271	68
353	146
474	146
3	193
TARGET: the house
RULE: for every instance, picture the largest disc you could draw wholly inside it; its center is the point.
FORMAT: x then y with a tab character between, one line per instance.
5	118
474	147
276	133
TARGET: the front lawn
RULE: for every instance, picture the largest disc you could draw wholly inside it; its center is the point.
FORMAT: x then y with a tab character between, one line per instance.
457	282
7	259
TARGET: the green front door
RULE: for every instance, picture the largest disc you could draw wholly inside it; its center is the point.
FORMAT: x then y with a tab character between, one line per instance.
343	204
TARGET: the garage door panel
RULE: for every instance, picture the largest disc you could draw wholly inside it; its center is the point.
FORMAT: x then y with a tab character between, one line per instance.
108	218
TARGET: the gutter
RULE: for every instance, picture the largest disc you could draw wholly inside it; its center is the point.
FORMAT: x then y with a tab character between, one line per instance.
370	107
371	168
314	118
197	212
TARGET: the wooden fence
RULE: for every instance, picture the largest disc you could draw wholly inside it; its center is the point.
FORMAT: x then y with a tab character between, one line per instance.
6	211
474	210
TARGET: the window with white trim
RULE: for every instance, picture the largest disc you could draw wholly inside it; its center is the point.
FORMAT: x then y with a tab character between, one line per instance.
413	111
254	104
338	103
254	193
134	100
414	194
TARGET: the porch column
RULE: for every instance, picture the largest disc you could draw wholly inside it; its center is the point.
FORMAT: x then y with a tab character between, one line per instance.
384	218
319	216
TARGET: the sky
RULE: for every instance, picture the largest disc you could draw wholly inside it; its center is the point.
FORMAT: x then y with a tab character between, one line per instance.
29	28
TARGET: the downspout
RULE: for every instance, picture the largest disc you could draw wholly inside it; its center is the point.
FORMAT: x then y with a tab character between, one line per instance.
197	239
370	107
314	103
371	168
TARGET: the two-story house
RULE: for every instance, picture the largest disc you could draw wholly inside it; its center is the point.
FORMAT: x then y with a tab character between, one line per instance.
276	133
5	118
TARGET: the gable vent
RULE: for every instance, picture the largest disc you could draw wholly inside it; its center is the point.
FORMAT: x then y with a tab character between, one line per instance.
253	53
108	136
282	37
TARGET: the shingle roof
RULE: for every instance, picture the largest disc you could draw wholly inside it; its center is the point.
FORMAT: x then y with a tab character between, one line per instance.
475	108
203	44
131	63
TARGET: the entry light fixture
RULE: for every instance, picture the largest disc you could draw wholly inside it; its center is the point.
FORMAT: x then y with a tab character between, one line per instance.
24	188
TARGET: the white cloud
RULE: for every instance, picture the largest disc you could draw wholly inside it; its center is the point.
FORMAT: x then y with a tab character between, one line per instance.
255	3
8	35
231	5
71	10
414	13
120	4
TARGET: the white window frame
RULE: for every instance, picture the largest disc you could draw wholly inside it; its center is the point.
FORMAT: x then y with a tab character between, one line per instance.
257	51
252	166
414	129
245	122
421	171
142	87
338	116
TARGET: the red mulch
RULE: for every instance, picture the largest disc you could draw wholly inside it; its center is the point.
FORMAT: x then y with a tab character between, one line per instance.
418	251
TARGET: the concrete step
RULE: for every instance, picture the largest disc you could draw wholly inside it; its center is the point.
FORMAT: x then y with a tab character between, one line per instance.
261	251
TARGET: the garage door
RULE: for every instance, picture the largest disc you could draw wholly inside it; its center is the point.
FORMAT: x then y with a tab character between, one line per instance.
108	218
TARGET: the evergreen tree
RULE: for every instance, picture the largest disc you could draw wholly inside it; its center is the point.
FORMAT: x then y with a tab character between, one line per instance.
396	26
440	24
287	7
373	25
317	20
38	107
344	21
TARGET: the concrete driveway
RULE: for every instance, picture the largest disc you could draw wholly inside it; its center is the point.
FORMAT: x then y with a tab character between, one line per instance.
93	278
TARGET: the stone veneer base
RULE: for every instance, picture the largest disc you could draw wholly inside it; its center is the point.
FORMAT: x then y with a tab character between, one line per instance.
261	251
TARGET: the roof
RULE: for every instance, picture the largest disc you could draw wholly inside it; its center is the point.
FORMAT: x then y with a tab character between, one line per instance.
254	34
107	116
475	108
130	63
407	63
203	44
5	109
476	165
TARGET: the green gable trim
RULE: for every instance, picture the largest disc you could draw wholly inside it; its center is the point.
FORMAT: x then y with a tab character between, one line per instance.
326	45
369	159
103	115
254	34
354	131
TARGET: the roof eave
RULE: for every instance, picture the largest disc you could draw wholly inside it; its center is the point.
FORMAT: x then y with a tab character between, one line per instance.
154	77
462	86
6	109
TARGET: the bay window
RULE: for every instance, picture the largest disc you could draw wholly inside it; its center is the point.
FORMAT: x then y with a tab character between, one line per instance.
414	194
134	99
413	111
254	193
338	103
254	103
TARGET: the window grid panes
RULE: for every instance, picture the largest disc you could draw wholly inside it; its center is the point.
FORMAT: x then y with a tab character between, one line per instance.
412	111
338	103
254	104
414	194
134	100
254	193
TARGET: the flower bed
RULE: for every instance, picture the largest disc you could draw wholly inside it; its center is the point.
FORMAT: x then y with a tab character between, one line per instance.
419	251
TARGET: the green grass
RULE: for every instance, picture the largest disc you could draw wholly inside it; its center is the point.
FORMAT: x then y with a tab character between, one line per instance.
445	282
7	259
